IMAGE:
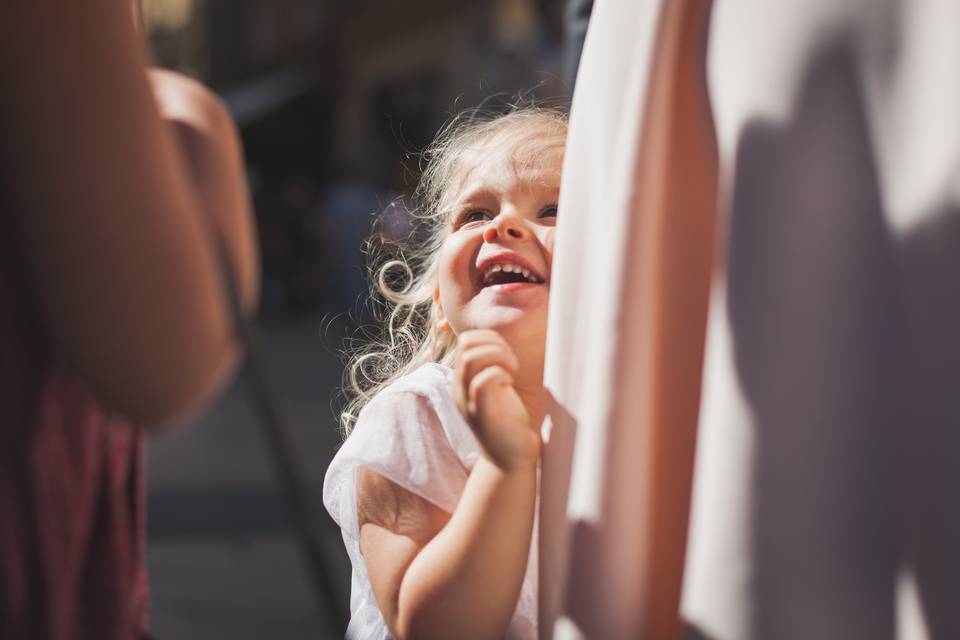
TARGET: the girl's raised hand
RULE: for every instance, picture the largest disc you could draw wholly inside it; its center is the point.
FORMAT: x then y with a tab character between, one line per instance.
484	391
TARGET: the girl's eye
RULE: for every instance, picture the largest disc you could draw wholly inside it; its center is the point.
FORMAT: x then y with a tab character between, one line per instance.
549	212
474	216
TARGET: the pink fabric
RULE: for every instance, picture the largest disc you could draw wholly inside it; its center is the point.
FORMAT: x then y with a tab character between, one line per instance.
71	494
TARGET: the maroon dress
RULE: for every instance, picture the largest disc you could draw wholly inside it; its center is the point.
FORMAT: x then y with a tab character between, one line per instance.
71	489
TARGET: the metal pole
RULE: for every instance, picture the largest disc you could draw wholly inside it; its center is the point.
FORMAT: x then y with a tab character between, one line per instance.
287	462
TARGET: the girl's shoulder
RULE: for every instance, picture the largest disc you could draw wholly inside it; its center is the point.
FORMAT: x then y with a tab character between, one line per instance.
430	381
411	433
420	404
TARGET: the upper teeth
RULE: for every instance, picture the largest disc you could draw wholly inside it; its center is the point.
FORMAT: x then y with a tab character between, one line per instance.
509	268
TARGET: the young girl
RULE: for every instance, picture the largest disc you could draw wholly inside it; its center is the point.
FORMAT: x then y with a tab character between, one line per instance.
436	486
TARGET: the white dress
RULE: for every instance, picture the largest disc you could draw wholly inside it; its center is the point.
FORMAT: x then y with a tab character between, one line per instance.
413	434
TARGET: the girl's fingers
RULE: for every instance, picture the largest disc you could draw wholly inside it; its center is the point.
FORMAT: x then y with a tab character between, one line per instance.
481	385
474	360
477	349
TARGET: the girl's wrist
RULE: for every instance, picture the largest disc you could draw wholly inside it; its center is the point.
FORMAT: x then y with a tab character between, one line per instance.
515	466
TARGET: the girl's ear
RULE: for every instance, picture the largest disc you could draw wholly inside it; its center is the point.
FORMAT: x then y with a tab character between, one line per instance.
441	323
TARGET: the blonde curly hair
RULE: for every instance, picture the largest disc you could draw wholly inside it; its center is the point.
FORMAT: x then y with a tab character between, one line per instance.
403	281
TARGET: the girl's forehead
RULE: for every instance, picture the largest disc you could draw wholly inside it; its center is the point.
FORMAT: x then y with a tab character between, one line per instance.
537	165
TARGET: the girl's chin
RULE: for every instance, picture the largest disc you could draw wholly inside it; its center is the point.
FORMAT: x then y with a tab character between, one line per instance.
512	322
524	316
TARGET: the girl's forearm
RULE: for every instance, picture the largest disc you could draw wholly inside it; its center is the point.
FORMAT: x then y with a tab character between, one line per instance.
465	583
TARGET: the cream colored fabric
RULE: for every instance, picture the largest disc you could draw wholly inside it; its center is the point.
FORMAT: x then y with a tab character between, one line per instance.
629	294
825	501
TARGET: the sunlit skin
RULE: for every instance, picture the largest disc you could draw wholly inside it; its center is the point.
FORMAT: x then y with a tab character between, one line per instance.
501	214
439	575
505	213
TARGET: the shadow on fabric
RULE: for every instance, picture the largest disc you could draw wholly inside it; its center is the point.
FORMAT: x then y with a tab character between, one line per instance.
846	351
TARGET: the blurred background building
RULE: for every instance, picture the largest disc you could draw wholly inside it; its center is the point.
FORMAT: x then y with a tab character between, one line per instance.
334	100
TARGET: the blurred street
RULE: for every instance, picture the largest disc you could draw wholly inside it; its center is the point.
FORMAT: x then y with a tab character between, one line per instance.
224	560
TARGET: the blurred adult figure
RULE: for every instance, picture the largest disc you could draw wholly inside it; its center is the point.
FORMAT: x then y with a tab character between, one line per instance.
113	318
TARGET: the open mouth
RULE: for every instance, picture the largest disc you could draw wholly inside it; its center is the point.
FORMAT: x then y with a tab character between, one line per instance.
508	273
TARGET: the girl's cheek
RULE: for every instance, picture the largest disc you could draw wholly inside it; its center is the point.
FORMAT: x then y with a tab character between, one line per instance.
457	257
470	248
547	240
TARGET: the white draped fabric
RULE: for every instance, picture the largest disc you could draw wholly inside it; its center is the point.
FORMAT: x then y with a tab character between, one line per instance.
826	502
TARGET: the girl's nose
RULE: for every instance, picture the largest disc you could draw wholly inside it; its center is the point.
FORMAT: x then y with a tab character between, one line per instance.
505	226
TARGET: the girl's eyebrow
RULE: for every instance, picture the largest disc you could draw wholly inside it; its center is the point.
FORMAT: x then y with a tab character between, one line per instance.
477	195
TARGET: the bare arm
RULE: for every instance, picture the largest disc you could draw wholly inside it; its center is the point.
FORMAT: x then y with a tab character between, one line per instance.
459	578
211	153
113	231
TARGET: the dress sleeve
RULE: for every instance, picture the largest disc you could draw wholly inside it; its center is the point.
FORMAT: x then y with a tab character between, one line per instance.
399	435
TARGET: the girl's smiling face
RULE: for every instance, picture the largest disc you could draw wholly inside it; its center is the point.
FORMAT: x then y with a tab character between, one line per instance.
494	264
